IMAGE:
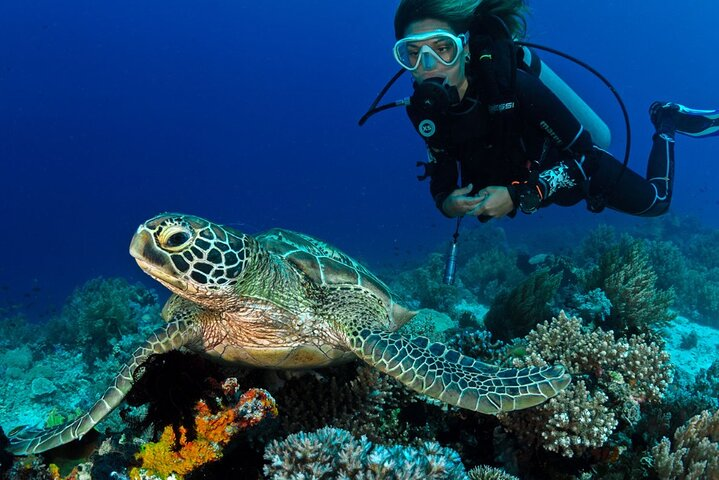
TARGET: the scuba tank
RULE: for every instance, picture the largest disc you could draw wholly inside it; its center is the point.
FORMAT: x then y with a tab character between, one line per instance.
601	135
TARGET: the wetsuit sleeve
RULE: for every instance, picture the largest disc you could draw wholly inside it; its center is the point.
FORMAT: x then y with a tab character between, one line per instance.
543	109
444	176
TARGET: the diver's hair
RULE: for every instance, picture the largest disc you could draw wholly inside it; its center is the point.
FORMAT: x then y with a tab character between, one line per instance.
458	14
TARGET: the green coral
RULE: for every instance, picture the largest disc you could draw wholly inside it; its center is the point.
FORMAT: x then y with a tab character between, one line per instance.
629	282
98	314
491	272
424	285
485	472
515	313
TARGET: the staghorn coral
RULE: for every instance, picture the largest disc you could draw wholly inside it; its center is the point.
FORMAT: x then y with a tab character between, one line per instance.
334	453
179	455
694	453
513	314
629	282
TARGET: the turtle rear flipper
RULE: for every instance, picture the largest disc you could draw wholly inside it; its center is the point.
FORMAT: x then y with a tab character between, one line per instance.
439	372
26	441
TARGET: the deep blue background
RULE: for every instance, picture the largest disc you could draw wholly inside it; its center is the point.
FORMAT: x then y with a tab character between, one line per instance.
246	113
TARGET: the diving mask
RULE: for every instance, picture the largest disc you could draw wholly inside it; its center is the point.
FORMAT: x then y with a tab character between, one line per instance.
429	48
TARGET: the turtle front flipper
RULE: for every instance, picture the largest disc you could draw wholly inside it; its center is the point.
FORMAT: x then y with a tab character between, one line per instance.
439	372
26	441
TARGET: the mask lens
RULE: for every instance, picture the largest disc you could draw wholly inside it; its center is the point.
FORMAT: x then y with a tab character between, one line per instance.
443	46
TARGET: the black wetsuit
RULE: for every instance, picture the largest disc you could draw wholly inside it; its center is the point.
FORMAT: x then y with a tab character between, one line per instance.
543	144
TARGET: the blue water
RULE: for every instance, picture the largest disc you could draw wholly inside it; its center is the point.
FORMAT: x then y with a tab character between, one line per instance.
246	113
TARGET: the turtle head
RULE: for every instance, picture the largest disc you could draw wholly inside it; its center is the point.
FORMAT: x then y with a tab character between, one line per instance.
193	257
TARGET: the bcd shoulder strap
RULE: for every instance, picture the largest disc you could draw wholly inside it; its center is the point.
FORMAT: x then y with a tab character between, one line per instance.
493	64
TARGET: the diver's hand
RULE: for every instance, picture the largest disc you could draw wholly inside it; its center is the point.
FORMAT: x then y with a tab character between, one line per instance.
460	203
496	202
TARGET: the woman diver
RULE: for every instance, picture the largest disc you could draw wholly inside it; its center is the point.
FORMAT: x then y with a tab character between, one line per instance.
504	133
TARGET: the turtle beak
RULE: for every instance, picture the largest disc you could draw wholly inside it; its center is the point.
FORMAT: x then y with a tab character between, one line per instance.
142	248
154	261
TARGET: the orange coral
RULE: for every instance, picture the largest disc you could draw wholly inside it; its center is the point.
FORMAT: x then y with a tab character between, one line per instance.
213	432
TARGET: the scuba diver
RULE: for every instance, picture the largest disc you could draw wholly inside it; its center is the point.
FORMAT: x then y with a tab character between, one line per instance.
504	133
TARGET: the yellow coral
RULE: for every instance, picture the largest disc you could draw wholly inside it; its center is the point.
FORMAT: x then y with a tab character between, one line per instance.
162	459
54	471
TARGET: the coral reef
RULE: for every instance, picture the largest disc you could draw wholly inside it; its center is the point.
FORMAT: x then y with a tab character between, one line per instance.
334	453
99	314
357	398
484	472
594	245
429	323
490	273
568	424
423	287
593	306
476	343
515	313
625	373
694	452
180	455
626	277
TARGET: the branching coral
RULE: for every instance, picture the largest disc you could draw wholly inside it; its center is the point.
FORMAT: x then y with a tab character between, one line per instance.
694	453
629	282
178	456
627	373
513	314
334	453
424	285
99	313
484	472
644	366
569	423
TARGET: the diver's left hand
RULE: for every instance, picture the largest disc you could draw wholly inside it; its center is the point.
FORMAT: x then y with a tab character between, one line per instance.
497	202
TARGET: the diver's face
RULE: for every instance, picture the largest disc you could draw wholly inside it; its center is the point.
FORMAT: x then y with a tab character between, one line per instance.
453	73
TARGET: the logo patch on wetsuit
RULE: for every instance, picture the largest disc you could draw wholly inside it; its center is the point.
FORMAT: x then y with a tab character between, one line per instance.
426	128
556	178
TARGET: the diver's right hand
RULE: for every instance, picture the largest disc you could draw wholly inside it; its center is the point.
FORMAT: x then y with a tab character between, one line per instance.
459	202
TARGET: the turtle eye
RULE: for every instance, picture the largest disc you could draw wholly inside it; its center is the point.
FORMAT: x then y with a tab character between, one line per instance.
175	238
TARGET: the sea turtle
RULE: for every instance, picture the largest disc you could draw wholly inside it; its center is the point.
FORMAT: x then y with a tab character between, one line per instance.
285	300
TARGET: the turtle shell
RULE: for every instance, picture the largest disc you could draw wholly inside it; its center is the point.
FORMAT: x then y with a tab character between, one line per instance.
326	265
